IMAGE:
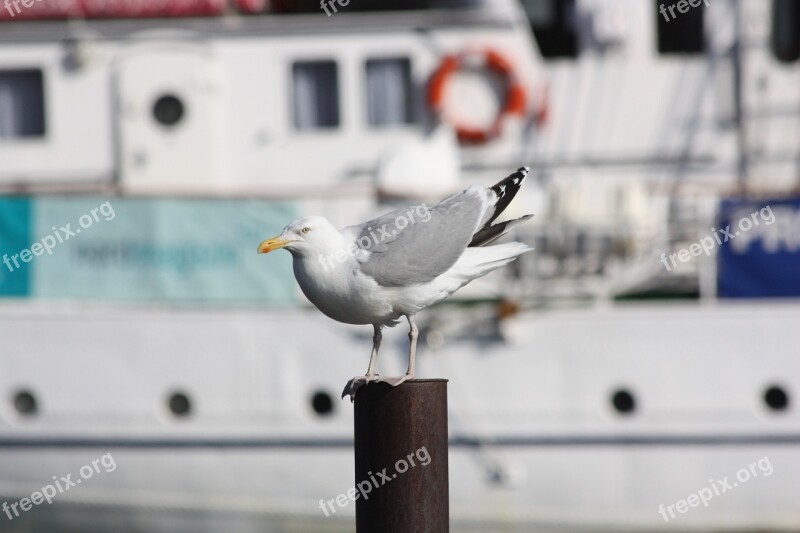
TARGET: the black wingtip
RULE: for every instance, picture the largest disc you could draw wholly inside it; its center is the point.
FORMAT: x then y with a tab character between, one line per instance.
505	190
521	173
514	180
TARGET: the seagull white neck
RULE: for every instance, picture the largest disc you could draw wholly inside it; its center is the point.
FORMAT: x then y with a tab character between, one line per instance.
325	269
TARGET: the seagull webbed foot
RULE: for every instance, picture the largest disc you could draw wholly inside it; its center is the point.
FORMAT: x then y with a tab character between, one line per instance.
394	381
359	381
354	384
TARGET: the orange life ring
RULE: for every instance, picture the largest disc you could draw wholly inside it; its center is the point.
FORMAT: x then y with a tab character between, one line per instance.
514	101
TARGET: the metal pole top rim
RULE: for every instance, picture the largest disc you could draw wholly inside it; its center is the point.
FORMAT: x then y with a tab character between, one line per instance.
426	380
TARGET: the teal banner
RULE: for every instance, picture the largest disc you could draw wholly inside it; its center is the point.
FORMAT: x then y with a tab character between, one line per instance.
15	236
150	250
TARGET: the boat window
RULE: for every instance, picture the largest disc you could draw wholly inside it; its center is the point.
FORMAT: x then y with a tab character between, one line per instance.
389	101
785	38
680	27
553	25
316	94
21	104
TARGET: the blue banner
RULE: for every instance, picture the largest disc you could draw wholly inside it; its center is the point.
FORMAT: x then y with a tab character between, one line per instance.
760	254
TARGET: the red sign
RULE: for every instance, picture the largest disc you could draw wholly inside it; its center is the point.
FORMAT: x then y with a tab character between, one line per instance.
62	9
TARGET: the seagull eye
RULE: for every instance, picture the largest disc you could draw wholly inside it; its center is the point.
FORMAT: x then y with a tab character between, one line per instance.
305	230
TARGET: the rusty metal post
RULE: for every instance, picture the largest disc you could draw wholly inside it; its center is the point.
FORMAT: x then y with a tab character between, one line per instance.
395	427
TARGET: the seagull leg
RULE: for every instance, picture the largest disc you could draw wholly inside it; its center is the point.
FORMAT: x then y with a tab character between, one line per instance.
412	348
412	356
353	385
373	358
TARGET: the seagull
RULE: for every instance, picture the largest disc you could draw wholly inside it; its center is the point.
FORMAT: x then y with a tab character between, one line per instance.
400	263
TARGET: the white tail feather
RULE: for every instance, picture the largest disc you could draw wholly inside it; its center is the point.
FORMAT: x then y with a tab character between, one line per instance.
477	262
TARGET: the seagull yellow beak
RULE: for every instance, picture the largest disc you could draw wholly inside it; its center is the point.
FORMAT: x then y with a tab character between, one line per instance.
272	244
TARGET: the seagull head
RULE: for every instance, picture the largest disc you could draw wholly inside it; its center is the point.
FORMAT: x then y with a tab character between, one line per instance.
305	236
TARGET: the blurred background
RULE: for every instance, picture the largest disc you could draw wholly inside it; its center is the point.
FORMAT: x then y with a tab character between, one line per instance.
644	353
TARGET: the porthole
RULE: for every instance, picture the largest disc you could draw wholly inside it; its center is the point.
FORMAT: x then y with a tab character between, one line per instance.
776	398
179	404
168	110
322	403
623	401
25	403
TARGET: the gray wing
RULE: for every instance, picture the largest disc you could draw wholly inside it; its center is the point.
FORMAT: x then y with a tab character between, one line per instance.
416	244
